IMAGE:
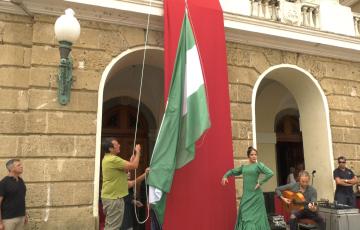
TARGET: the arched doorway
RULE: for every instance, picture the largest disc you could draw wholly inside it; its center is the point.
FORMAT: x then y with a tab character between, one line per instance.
288	87
117	106
119	122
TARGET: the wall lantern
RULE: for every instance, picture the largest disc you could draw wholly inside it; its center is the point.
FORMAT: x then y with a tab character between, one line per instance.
67	31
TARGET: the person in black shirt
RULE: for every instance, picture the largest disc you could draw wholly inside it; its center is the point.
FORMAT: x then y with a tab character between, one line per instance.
345	180
129	220
12	198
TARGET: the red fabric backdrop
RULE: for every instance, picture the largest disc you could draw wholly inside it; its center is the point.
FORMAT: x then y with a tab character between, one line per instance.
197	200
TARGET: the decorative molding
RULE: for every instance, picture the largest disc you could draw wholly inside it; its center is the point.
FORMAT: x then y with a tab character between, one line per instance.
138	6
258	32
348	2
8	7
117	15
315	2
238	28
290	12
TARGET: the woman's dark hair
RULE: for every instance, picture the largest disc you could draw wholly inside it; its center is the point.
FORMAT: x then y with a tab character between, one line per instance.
250	149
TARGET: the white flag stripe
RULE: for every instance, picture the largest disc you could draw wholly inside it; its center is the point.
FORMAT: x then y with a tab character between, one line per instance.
194	74
155	194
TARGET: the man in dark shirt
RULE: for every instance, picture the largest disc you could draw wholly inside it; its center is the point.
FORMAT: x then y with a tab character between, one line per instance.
345	180
310	195
12	198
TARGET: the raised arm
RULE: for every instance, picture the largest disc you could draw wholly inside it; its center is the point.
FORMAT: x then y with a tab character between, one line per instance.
233	172
134	163
266	171
139	179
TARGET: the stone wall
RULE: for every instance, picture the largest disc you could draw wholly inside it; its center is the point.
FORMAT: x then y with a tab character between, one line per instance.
55	143
340	81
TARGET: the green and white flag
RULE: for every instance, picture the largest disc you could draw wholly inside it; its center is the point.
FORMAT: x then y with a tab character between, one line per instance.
186	118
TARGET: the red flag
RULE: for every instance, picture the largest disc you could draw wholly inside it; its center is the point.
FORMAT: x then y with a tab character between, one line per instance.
197	200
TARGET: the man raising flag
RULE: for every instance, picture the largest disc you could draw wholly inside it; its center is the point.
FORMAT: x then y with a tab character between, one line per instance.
186	119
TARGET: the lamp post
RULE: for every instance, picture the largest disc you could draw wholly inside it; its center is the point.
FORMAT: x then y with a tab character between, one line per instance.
67	31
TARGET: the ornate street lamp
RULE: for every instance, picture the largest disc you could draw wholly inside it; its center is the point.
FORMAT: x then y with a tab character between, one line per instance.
67	31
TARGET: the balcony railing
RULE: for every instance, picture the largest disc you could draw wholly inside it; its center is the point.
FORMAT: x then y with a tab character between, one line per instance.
303	13
294	13
357	24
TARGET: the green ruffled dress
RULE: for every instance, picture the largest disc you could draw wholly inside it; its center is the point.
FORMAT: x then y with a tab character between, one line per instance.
252	212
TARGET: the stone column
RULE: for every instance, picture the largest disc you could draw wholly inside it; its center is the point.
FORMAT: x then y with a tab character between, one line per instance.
277	12
356	24
255	8
272	8
267	10
311	18
252	10
261	12
304	15
317	18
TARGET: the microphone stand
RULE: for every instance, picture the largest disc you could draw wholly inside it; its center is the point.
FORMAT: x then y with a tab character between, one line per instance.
312	177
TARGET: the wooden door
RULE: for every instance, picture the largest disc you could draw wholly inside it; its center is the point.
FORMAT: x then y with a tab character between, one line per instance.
119	122
289	147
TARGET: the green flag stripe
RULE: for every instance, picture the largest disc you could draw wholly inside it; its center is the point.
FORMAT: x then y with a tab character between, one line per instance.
194	124
163	159
175	144
197	116
190	39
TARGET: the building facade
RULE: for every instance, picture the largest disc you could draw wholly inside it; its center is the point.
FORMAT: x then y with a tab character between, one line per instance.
294	86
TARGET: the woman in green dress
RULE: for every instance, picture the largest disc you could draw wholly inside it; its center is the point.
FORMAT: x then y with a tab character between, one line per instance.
252	212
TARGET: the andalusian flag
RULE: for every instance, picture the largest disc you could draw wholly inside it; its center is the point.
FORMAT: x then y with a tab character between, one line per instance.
186	119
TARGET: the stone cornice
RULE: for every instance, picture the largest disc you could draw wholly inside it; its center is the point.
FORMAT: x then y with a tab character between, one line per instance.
154	7
8	7
243	29
348	2
275	35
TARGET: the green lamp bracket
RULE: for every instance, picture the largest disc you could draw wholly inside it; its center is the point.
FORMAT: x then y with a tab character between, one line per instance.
65	78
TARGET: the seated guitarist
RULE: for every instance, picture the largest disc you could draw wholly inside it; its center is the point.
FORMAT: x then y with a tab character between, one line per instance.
310	210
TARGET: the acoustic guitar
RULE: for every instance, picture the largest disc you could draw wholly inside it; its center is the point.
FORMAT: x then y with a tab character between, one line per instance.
298	201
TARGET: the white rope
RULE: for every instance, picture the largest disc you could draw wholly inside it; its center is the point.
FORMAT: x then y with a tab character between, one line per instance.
137	120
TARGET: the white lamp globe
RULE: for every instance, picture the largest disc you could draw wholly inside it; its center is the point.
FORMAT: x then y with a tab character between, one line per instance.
67	27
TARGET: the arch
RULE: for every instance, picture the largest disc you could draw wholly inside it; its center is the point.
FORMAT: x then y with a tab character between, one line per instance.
132	102
131	56
314	120
285	112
